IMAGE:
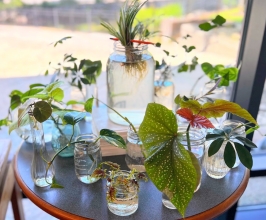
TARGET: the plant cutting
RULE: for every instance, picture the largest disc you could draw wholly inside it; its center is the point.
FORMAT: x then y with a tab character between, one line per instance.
122	188
42	109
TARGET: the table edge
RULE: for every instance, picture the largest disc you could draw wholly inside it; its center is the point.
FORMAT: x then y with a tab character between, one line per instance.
59	213
50	209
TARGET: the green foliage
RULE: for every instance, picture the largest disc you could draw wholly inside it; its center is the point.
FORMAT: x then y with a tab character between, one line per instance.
113	138
42	111
61	41
165	155
216	22
188	67
219	71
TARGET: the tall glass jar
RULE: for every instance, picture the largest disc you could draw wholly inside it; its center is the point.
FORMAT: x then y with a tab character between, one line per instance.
39	175
134	156
60	137
122	199
240	131
197	141
130	87
87	157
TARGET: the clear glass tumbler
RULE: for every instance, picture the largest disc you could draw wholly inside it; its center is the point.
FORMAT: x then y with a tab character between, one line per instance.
134	157
87	157
122	199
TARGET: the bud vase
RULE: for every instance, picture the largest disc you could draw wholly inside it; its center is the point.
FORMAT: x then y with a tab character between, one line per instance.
130	87
197	141
134	157
39	173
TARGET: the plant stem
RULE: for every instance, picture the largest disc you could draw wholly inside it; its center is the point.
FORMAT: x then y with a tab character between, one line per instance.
188	138
125	118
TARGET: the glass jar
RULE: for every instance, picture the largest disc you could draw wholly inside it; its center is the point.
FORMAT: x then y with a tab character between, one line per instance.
87	157
164	88
134	157
122	199
215	166
232	124
130	87
60	137
197	140
39	175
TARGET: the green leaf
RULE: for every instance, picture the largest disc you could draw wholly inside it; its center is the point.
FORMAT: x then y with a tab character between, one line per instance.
30	94
55	184
42	111
50	87
166	52
215	146
16	92
57	94
213	136
15	102
178	177
36	85
4	122
189	49
85	81
183	68
74	117
244	155
229	155
61	41
250	130
246	142
157	44
88	105
22	121
206	26
207	69
46	73
112	138
73	102
219	20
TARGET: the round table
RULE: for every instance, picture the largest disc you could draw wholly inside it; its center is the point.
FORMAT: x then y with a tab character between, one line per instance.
81	201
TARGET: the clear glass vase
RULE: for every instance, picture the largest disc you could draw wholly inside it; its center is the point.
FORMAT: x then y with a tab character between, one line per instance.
215	166
122	199
164	89
197	141
130	87
240	131
87	157
60	137
39	173
134	157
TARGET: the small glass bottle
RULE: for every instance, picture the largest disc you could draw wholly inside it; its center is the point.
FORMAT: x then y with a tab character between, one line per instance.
130	77
197	141
240	131
87	157
215	166
122	199
134	157
60	137
40	176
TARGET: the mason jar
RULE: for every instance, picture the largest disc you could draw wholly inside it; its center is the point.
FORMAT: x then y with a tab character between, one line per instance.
240	131
134	157
197	141
87	157
130	82
122	199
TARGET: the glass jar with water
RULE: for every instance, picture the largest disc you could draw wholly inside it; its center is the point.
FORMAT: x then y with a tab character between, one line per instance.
87	157
197	140
130	82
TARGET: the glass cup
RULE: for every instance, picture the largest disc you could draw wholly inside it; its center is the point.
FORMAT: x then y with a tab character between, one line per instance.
87	157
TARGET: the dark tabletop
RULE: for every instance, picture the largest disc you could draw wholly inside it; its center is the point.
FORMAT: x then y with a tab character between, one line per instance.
88	201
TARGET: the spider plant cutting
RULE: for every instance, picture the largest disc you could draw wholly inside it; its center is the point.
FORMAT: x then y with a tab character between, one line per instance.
130	35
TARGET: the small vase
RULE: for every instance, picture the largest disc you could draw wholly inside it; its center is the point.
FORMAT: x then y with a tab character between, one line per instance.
134	157
87	157
164	88
130	87
40	176
60	137
122	199
232	124
215	166
197	141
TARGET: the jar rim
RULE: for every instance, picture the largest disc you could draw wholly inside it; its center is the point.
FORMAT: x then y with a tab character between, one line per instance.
135	48
89	136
